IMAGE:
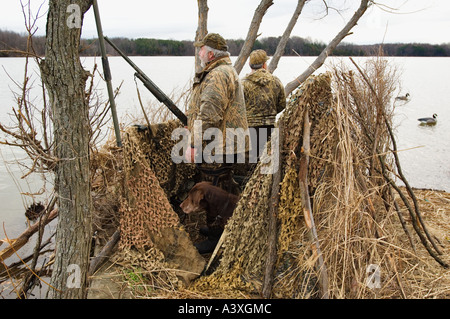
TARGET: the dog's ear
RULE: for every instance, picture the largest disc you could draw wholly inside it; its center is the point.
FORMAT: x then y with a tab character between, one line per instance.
209	195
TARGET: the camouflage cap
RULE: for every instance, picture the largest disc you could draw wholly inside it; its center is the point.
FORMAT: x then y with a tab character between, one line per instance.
258	57
213	40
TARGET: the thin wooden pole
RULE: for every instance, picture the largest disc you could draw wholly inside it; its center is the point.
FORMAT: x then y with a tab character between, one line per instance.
307	211
273	223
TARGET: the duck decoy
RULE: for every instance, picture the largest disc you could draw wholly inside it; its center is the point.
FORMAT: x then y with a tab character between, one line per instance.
428	120
403	98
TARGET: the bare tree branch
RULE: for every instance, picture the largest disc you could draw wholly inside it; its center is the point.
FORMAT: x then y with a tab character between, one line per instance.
330	47
252	34
285	38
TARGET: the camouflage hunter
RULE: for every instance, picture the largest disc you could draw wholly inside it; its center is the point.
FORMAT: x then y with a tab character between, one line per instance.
218	101
264	97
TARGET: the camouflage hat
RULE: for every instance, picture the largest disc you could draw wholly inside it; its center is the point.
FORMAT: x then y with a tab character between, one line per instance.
258	57
213	40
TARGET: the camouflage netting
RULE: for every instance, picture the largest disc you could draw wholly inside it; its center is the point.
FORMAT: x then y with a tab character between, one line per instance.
144	206
140	179
155	145
146	153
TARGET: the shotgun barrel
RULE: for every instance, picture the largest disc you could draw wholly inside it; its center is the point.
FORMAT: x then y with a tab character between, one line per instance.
155	90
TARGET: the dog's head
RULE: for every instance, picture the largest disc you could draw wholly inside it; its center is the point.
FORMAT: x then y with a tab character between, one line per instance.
195	201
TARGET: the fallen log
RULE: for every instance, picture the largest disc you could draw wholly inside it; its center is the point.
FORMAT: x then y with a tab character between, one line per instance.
104	254
19	242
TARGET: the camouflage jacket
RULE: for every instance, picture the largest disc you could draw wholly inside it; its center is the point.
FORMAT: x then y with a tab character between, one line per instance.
217	99
264	97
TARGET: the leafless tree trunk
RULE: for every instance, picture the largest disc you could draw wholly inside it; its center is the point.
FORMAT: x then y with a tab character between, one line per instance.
202	28
65	80
330	47
285	37
252	34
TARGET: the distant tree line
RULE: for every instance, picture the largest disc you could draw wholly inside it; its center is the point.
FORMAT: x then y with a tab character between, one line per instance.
12	44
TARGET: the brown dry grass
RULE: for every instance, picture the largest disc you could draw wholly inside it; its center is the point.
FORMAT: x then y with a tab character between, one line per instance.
428	279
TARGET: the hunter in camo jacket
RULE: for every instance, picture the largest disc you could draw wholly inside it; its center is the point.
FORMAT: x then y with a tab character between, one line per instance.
217	97
264	94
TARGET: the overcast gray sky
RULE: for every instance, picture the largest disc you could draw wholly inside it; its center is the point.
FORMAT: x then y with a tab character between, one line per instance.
405	21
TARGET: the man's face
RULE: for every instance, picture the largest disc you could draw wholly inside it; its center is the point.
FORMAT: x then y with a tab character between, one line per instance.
203	56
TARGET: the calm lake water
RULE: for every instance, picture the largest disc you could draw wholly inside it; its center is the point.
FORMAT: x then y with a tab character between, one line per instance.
426	149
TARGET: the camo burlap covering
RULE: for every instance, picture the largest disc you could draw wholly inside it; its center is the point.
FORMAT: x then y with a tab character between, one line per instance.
315	96
150	178
155	145
244	253
144	206
140	179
